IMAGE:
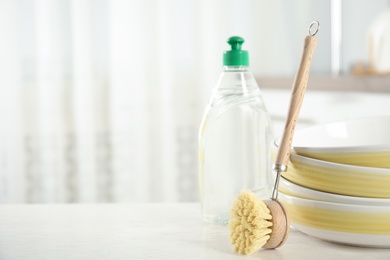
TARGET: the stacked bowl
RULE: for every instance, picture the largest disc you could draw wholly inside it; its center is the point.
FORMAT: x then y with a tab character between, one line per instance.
337	186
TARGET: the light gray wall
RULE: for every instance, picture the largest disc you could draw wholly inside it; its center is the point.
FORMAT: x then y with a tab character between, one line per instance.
357	16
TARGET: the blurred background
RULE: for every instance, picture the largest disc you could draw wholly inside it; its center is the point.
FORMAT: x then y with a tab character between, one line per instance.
101	100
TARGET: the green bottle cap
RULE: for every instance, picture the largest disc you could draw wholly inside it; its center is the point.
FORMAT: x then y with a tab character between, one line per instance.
236	56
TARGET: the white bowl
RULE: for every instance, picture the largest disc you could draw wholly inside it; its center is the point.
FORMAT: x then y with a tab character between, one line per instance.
359	225
338	178
362	141
292	189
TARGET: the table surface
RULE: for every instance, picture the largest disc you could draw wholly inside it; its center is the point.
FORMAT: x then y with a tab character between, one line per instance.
140	231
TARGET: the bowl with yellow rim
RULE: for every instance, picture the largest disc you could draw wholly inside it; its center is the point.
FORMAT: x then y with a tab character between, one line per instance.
358	141
358	225
292	189
338	178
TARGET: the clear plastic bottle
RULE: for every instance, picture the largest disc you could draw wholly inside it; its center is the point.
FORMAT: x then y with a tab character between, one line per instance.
234	139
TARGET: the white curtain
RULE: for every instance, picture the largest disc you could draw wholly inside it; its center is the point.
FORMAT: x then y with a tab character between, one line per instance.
100	101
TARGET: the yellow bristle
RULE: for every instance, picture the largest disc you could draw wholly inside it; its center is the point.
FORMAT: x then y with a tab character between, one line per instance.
249	224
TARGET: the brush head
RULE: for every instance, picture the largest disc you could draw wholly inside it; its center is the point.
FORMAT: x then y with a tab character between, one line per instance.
255	224
250	223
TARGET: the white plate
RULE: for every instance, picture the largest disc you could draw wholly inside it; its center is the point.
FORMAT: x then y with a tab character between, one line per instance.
359	134
362	240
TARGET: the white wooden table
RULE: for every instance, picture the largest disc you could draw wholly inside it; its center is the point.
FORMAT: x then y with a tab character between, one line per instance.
140	231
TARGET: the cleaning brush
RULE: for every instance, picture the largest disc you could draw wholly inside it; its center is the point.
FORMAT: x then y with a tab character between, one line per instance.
256	224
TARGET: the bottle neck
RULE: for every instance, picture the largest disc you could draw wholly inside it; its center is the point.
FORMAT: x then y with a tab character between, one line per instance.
236	79
235	68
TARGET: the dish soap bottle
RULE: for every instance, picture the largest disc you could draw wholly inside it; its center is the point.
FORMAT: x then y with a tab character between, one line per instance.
234	139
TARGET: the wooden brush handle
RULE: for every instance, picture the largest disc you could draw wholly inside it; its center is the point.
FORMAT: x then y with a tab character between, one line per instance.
298	92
